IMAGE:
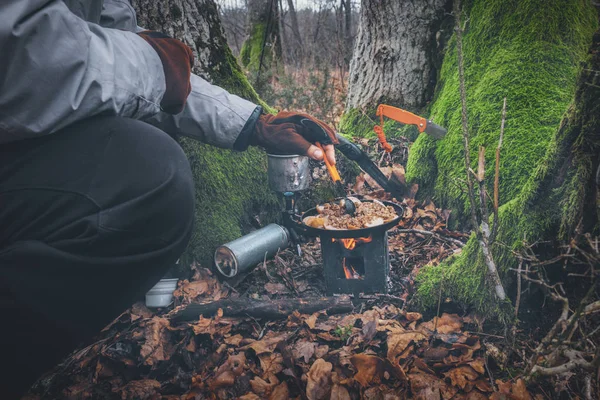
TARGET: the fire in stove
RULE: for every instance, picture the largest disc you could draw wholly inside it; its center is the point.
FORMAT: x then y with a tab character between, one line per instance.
352	265
356	265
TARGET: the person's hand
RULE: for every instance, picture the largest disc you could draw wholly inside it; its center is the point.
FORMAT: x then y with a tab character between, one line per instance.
177	60
294	133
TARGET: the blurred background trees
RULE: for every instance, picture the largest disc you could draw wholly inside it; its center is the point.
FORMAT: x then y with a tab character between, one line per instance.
306	47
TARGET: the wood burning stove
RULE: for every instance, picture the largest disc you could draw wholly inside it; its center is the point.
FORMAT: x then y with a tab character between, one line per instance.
355	261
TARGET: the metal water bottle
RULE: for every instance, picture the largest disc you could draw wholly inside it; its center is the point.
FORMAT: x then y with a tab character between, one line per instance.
246	252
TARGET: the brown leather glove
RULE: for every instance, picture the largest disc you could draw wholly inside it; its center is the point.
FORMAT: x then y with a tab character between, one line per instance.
177	60
293	133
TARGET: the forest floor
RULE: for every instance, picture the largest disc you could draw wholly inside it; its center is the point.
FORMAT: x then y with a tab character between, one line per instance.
382	349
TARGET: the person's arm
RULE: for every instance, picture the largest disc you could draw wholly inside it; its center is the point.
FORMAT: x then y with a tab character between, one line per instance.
211	115
57	69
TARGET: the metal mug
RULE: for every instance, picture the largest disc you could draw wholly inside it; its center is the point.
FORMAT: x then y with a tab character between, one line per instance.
288	173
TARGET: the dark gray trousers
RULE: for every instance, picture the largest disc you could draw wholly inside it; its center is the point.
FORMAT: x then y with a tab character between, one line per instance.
91	217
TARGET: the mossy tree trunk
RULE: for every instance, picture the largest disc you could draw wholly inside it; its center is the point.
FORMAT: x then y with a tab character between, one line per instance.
552	139
263	30
396	56
231	187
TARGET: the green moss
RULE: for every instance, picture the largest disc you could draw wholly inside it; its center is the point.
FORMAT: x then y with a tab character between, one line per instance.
526	51
530	52
252	47
231	187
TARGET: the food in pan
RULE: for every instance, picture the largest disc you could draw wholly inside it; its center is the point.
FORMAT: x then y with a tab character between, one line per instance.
366	215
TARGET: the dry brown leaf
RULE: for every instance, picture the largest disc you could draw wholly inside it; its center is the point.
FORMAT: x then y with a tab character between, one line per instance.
157	337
312	320
233	340
267	344
448	323
191	346
519	390
271	363
483	385
369	369
304	349
420	381
461	376
263	388
413	316
139	310
141	389
276	288
224	379
280	392
321	350
478	365
249	396
318	384
339	392
398	342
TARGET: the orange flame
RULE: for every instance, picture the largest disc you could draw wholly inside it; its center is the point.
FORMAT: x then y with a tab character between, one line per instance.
351	243
350	273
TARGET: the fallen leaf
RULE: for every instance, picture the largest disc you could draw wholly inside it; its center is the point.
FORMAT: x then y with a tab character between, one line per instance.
478	365
249	396
321	350
141	389
267	344
369	369
312	320
448	323
398	342
304	349
339	392
263	388
156	337
271	364
519	390
233	340
318	384
413	316
369	330
483	385
276	288
280	392
461	376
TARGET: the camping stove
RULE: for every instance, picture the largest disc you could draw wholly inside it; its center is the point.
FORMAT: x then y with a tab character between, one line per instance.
355	261
356	265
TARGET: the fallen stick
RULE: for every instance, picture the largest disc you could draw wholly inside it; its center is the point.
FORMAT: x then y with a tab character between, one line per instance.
270	309
435	235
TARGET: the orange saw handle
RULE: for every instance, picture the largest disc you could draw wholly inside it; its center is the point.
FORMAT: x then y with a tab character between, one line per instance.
333	172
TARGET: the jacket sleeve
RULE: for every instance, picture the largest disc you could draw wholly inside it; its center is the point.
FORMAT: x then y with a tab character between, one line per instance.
57	69
211	114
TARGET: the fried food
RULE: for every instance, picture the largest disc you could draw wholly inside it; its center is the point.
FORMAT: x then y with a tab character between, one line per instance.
332	216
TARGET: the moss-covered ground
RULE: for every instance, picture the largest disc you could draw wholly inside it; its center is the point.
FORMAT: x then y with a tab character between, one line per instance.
531	53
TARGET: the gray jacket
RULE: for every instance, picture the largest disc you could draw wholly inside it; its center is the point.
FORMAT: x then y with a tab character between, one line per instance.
65	60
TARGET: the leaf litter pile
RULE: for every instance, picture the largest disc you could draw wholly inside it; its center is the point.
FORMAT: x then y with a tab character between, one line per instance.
378	351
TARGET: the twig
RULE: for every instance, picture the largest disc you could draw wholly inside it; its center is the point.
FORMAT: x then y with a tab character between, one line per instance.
435	235
497	175
483	231
575	361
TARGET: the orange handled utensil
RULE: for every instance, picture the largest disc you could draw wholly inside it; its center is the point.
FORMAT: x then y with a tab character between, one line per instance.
333	172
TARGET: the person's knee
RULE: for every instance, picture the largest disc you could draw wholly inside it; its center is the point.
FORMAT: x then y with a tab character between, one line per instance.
155	192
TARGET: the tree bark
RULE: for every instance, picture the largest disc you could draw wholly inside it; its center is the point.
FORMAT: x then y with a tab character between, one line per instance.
395	53
263	45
